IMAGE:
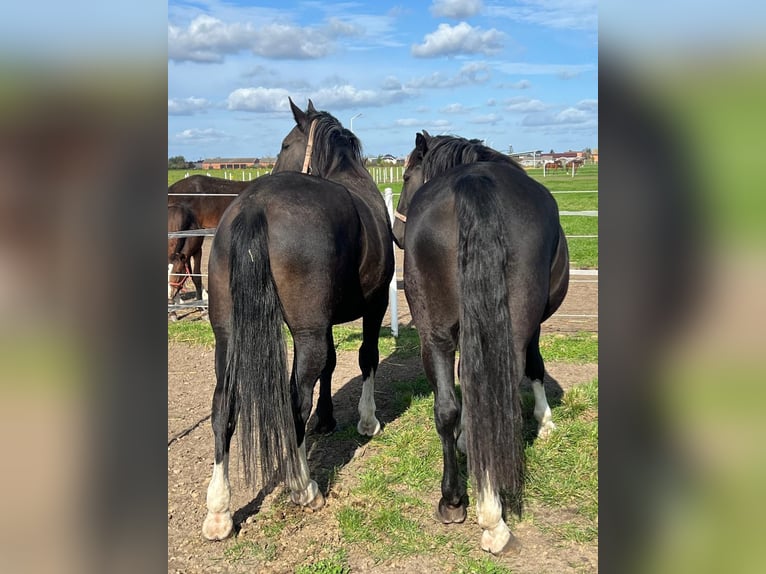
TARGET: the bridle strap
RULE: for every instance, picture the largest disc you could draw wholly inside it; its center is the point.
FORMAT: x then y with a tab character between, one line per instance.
184	277
400	217
309	145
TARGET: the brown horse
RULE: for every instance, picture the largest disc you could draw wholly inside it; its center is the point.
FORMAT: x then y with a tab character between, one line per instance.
184	253
198	193
311	251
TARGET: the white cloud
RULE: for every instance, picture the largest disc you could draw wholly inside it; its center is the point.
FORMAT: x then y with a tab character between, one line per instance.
491	119
412	122
470	74
454	109
520	85
589	105
209	40
456	8
258	99
187	106
521	104
558	14
459	39
195	135
567	117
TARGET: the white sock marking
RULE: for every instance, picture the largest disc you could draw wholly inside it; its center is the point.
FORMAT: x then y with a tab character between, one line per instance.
368	424
542	410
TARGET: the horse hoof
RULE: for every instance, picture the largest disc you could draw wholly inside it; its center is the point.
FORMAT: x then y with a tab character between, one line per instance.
217	525
369	428
448	514
317	503
513	546
546	430
497	544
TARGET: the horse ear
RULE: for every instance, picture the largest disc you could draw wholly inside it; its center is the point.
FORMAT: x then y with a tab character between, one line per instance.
421	143
311	109
426	135
298	114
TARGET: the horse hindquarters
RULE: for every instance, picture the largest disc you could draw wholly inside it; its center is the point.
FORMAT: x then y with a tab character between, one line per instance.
251	370
490	368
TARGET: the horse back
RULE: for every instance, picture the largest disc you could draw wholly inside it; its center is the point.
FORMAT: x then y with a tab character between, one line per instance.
314	245
535	255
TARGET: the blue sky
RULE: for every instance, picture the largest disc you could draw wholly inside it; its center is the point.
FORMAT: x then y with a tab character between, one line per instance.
520	73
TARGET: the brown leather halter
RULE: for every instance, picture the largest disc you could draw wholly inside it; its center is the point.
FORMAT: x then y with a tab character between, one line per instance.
309	146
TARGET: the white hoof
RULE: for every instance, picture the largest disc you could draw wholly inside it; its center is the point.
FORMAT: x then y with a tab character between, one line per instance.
368	428
546	429
217	525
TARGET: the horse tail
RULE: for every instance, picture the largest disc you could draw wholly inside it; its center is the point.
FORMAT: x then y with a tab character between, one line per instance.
255	380
489	373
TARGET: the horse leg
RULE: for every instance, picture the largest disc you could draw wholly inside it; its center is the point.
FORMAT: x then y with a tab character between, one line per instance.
535	370
196	270
325	421
496	536
308	363
368	362
439	365
218	523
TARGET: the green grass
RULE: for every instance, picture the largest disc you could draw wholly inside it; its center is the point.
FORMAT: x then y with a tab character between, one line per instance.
586	179
579	348
191	332
335	564
389	513
562	471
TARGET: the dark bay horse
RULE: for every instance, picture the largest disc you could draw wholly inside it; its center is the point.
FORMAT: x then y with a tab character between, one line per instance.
184	253
485	262
310	251
199	195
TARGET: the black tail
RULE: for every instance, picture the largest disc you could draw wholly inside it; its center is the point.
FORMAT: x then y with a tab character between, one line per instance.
256	364
488	372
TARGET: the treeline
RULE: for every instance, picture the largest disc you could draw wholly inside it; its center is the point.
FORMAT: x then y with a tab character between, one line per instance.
179	162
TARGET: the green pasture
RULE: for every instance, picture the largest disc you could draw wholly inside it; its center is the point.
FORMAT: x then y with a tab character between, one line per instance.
383	501
583	252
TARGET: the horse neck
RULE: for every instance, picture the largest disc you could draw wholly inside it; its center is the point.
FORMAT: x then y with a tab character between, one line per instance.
359	185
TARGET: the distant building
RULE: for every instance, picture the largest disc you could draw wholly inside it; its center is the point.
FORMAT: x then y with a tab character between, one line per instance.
230	163
388	159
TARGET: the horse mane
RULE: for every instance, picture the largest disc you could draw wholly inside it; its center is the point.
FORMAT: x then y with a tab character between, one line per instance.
335	147
446	152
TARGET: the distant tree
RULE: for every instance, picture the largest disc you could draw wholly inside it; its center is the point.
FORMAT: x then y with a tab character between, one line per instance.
510	150
588	153
177	162
552	152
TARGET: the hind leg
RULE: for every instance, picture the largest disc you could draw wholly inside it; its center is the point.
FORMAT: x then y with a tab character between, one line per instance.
535	370
496	536
368	362
309	362
439	365
218	523
325	421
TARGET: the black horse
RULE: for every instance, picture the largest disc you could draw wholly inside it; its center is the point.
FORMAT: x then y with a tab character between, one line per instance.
310	251
485	262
